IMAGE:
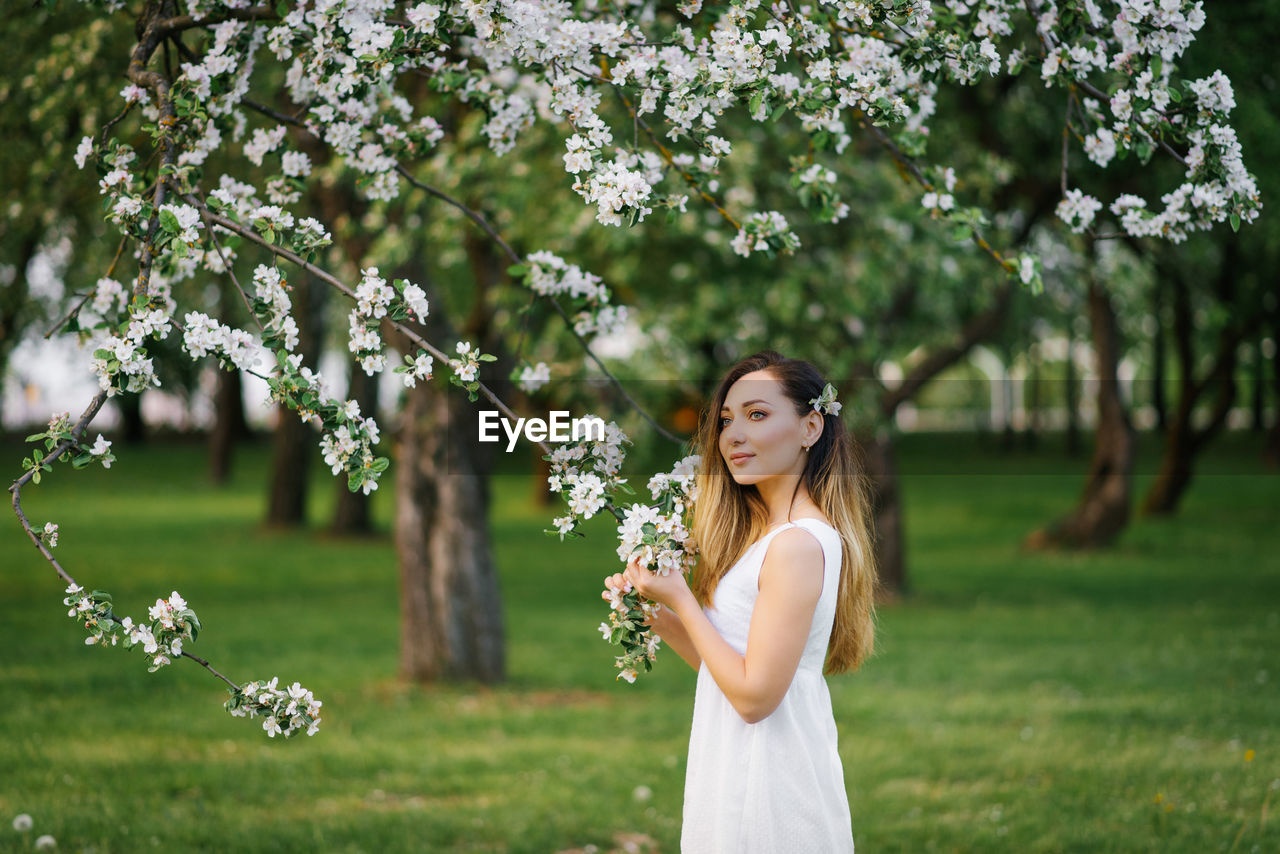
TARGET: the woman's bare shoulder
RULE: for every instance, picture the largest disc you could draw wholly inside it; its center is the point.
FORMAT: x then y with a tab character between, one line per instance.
794	551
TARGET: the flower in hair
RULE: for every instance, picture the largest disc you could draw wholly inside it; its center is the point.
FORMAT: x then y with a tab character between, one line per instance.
826	402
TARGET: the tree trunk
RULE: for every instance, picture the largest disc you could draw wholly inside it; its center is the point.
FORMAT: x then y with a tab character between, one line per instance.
878	450
887	512
541	471
450	600
450	604
287	503
1072	398
229	424
1103	510
1157	357
132	429
1183	442
351	510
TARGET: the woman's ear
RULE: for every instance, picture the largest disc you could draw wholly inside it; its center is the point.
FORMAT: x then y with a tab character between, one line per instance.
814	424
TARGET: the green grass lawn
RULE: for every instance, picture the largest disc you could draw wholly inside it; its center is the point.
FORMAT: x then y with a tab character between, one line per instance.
1124	701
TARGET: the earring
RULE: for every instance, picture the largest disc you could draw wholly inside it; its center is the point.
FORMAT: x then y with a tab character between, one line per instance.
806	448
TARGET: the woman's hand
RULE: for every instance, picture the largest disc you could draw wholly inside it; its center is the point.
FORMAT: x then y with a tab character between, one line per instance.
671	590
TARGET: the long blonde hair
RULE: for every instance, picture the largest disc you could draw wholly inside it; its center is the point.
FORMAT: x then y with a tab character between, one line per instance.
727	517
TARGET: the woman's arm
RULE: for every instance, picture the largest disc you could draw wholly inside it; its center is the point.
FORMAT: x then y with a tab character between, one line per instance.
667	625
790	584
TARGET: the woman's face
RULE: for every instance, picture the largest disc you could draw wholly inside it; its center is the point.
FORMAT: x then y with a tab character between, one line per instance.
760	434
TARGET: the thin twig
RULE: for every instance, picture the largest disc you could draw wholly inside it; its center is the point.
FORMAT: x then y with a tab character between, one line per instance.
474	216
76	310
670	158
477	218
200	661
185	22
329	278
1158	139
77	433
226	265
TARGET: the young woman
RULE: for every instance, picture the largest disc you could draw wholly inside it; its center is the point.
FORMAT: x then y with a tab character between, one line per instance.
784	586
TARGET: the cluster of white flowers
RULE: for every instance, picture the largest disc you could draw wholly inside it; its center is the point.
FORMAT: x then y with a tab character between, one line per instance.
416	368
285	711
295	164
172	623
547	274
373	299
1078	210
533	377
415	300
109	297
83	151
273	303
373	294
101	451
271	217
262	143
467	366
765	232
585	474
349	448
187	221
50	534
658	537
126	209
202	335
365	343
1140	42
125	356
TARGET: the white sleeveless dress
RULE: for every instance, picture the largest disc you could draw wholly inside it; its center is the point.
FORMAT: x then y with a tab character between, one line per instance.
776	786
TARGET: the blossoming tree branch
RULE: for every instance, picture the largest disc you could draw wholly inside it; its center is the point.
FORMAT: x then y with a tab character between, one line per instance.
649	102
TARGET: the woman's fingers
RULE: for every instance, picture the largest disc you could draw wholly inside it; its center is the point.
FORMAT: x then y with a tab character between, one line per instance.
617	581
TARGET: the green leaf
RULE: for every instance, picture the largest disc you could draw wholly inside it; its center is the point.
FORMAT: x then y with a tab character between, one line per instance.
517	271
169	222
1235	222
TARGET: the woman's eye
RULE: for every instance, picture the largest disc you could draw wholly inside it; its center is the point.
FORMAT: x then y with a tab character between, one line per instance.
757	412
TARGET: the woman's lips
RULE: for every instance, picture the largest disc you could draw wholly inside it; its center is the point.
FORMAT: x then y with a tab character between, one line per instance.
738	459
